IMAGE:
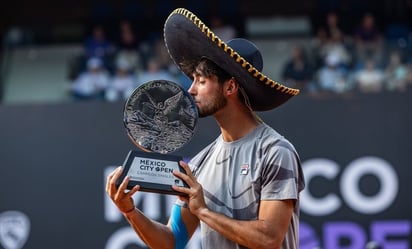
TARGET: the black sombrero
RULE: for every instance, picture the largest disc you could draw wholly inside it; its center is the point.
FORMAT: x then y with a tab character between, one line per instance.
187	38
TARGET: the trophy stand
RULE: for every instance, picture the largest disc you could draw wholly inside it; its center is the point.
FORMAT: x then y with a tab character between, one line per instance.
160	117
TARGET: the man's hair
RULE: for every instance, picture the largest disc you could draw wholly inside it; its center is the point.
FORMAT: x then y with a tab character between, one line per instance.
206	68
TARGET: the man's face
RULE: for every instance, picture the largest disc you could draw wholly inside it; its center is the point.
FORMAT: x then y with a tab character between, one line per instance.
208	94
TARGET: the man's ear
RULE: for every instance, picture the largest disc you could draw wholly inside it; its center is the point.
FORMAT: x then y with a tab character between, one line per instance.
232	87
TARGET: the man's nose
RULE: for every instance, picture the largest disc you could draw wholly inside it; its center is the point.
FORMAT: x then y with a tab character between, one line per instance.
191	89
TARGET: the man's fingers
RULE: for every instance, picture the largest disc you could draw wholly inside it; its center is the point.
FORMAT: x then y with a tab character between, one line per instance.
133	190
186	167
116	175
183	190
112	179
123	185
185	177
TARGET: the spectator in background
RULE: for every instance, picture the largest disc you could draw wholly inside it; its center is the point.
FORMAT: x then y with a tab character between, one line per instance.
161	56
297	71
122	83
127	47
368	41
409	76
332	27
370	79
332	77
92	83
336	46
154	72
97	44
223	30
317	44
330	38
396	72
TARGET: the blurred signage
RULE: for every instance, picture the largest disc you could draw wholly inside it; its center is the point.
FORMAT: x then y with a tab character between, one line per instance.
355	156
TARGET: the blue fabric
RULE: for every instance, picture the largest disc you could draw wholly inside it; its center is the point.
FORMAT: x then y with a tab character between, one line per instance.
178	228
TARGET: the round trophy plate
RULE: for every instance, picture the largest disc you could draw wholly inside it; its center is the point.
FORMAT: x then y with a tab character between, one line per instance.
160	116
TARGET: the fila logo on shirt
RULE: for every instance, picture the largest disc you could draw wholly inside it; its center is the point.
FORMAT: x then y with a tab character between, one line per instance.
244	169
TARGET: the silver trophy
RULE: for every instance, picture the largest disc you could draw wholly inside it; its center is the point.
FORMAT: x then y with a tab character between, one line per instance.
160	117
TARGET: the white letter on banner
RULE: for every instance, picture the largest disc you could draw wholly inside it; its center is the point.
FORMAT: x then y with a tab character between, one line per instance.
319	206
350	185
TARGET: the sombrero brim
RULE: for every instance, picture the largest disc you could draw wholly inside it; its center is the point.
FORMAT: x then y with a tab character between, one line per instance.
188	39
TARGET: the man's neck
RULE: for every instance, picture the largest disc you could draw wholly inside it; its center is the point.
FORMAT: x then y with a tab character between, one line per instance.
236	123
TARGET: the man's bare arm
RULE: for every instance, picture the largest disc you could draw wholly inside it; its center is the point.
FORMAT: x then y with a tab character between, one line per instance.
268	231
153	233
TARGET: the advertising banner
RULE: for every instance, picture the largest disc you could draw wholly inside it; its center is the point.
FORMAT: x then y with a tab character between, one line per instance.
355	153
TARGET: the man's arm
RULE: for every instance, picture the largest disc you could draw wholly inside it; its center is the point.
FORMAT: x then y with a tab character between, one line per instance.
153	233
268	231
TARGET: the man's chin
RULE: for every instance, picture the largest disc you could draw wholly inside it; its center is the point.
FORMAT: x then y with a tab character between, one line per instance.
204	114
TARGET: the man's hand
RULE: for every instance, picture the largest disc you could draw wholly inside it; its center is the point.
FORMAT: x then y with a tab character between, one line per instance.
119	196
195	198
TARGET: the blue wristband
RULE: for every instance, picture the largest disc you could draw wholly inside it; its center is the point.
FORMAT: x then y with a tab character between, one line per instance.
178	228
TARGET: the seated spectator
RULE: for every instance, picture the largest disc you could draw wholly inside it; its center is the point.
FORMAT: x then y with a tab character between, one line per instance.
98	44
122	83
396	73
161	54
317	43
408	84
95	45
127	47
333	28
336	46
154	72
330	38
223	30
368	40
370	79
92	83
332	77
297	72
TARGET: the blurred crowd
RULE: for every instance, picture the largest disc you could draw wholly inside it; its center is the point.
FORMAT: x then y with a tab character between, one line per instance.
367	60
111	68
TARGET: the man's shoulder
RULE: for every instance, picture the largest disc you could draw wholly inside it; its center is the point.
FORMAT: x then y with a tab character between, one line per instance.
270	136
267	132
199	157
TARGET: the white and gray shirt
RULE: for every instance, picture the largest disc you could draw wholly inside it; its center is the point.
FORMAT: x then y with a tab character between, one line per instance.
237	175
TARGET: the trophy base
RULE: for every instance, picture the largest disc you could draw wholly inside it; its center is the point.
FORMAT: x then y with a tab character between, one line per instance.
152	172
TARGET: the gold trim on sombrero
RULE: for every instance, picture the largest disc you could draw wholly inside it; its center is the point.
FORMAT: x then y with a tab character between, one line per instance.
239	59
